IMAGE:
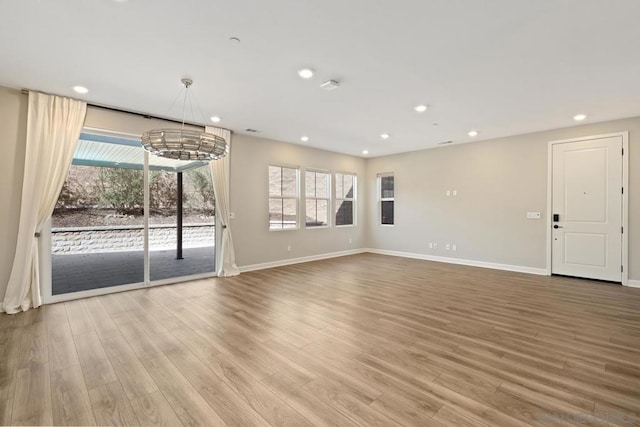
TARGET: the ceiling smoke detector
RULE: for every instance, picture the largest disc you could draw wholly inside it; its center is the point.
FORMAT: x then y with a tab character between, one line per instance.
251	130
330	85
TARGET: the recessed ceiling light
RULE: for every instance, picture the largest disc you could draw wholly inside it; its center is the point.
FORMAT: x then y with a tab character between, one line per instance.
80	89
473	133
234	40
385	136
305	73
420	108
579	117
365	152
215	119
304	138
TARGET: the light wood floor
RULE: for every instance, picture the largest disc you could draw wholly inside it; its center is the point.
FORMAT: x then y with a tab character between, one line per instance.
361	340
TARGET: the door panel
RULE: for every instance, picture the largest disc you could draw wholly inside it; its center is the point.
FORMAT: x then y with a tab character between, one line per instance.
587	183
585	249
97	226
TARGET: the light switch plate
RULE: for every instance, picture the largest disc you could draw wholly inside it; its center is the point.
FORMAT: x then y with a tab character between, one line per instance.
533	215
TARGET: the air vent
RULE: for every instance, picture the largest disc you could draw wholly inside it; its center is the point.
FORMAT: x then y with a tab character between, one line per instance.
444	142
330	85
251	130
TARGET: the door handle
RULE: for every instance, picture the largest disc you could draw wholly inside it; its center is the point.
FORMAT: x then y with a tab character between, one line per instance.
557	226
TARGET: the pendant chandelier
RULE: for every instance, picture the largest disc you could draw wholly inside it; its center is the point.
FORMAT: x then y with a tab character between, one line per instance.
185	144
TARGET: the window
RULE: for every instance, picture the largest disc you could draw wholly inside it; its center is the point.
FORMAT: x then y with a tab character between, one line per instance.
345	198
283	198
317	187
386	194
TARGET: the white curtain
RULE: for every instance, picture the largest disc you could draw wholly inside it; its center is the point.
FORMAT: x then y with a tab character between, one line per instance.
225	254
53	128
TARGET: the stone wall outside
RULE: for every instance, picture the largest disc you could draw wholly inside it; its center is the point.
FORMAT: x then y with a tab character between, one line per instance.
83	240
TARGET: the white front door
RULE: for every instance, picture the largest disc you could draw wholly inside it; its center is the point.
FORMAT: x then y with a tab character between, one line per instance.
587	208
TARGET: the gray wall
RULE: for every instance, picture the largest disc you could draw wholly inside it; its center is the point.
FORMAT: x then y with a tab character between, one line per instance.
249	197
120	122
13	132
497	182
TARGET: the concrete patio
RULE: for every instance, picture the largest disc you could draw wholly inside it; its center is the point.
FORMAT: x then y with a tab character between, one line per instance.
80	272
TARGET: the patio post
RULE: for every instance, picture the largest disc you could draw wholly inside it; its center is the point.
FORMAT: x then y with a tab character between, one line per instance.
179	219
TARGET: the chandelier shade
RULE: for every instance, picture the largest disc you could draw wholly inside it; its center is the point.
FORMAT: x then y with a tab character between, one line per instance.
185	144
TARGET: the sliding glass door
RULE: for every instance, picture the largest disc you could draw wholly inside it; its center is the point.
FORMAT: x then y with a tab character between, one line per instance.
101	234
181	222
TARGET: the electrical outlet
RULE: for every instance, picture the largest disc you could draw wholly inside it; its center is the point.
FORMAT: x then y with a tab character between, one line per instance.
447	246
350	240
435	246
455	193
448	193
289	248
430	245
453	248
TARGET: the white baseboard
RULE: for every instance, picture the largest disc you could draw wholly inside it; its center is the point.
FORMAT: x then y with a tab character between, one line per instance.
495	266
469	262
633	283
281	263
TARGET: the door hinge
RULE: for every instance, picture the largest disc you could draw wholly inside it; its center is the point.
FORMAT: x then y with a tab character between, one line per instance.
622	230
622	269
622	190
623	151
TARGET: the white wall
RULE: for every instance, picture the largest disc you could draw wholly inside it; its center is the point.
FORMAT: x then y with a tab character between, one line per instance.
249	198
497	182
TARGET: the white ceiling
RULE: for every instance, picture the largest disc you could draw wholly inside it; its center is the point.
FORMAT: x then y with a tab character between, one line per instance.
503	67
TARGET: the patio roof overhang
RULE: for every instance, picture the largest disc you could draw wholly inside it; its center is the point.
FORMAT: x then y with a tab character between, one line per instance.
114	152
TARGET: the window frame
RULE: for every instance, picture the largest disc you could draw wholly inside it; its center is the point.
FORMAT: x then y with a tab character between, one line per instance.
352	199
386	199
328	198
296	198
